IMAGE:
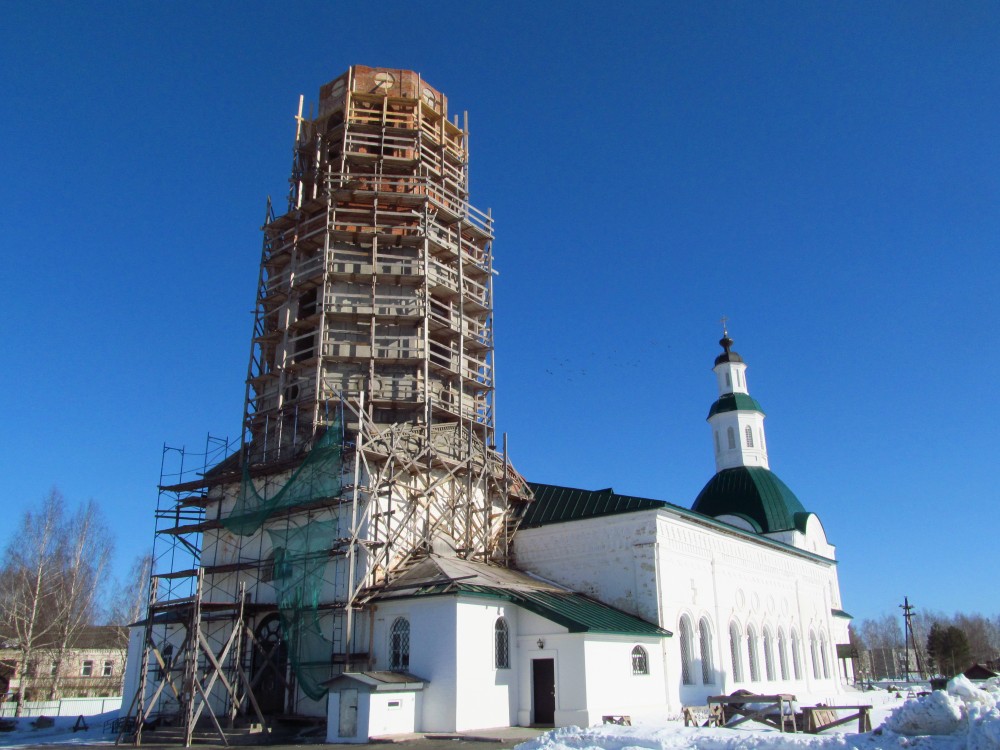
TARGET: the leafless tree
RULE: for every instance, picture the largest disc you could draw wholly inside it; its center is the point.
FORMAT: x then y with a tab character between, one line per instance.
84	554
981	634
883	638
51	577
28	583
129	600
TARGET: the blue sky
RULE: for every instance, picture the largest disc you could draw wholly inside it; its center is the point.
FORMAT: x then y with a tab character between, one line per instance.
824	174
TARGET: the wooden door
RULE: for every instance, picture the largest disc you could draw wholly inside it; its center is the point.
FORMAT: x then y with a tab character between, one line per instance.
543	692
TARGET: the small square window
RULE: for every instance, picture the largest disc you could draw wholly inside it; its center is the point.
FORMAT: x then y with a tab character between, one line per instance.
87	670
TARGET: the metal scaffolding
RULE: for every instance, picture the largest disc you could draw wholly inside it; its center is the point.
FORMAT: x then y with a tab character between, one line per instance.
369	427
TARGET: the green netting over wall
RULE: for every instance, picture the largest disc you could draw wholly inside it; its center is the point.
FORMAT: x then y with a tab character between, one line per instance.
300	553
319	476
300	558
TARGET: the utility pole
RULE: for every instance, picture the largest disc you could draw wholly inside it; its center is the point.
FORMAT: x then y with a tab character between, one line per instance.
909	638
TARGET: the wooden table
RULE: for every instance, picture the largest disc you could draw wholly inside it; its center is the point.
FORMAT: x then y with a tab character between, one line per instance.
816	722
735	705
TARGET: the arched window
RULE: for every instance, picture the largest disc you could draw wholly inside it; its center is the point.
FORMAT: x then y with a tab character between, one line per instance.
640	661
782	656
705	641
687	678
734	650
718	443
752	653
768	654
501	644
749	433
399	645
729	382
731	434
814	653
823	657
796	656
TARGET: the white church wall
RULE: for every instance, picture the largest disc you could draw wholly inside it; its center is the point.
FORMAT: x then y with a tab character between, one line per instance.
486	695
612	686
433	649
394	713
706	574
539	638
133	662
609	558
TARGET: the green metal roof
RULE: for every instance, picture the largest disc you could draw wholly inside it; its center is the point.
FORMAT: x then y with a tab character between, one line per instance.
555	504
573	504
841	613
734	402
751	492
575	612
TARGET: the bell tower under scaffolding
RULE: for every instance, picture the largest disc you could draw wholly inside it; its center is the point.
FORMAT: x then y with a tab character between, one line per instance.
369	433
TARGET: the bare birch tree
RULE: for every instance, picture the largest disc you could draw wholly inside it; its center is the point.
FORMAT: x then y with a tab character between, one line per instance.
28	581
51	577
84	554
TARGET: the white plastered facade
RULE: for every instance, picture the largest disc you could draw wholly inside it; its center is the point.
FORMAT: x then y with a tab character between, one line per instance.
452	648
703	580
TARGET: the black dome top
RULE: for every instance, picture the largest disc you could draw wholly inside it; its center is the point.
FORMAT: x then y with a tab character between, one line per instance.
727	356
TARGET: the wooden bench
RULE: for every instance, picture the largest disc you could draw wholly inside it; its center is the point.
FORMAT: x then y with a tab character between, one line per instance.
776	712
693	716
818	718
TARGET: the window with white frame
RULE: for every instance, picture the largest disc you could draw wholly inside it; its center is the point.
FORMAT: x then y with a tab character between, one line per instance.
749	434
399	645
705	641
640	661
87	669
768	654
501	644
734	651
752	653
782	656
109	668
823	657
814	654
54	669
796	656
731	435
687	653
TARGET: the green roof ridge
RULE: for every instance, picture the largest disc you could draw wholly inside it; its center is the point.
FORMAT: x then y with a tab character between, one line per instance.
734	402
575	612
554	504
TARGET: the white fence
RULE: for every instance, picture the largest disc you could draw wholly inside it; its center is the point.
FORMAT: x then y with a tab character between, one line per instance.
64	707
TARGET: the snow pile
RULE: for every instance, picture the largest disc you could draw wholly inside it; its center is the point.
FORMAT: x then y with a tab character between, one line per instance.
937	713
964	709
966	717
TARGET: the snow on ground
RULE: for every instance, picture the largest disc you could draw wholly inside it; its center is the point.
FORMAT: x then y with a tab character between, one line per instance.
61	732
963	718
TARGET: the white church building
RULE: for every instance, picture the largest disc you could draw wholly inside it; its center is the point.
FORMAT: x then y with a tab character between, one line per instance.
621	606
367	553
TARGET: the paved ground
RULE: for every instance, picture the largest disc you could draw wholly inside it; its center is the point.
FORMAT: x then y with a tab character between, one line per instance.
503	738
